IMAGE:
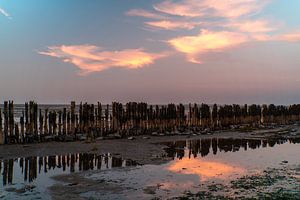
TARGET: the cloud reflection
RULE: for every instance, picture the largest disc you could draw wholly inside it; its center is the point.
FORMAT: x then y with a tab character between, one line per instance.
205	169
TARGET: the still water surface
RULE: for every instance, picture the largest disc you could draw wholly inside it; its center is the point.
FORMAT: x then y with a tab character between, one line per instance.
194	163
17	174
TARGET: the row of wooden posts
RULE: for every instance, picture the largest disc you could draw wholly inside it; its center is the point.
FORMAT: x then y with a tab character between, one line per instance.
89	120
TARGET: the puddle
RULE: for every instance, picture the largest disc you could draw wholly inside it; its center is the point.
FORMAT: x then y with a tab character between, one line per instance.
195	163
198	162
28	178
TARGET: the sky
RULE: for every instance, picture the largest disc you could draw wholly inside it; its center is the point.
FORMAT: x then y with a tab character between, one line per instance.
156	51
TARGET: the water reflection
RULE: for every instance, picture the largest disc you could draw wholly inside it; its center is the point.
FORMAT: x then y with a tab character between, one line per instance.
195	148
205	169
31	167
189	156
197	161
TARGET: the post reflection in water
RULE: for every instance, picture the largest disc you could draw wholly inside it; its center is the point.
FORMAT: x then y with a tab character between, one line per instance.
195	148
184	152
31	167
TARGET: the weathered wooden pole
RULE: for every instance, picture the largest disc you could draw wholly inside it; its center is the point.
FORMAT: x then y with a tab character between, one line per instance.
64	116
68	123
76	124
80	118
59	122
30	118
11	119
73	118
54	117
22	127
1	131
50	123
5	113
106	119
17	133
46	130
35	120
41	121
26	119
99	118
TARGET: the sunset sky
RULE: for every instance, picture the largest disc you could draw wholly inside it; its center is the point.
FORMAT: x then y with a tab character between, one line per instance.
158	51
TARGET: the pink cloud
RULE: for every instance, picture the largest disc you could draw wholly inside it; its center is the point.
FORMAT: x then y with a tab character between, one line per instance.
252	26
172	25
219	8
144	13
236	23
290	37
206	41
189	8
89	58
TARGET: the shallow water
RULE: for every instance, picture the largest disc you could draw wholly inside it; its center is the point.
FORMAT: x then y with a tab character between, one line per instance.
194	163
201	161
28	178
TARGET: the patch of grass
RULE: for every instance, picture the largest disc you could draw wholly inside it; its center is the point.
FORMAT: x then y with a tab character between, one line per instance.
216	187
272	184
253	182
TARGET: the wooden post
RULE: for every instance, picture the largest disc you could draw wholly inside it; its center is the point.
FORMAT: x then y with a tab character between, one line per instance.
46	130
1	132
17	133
59	122
35	117
68	123
73	105
5	113
41	121
54	116
30	118
80	117
22	127
26	119
99	118
106	119
11	119
50	123
64	116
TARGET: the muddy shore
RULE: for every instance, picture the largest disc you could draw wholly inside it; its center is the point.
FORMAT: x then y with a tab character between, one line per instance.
144	150
79	185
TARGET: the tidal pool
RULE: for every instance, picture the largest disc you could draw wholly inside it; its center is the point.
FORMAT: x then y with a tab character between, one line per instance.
29	178
193	164
198	162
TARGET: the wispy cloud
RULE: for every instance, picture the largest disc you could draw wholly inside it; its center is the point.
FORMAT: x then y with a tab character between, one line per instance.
90	58
218	8
172	25
144	13
4	12
223	23
206	41
290	37
252	26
